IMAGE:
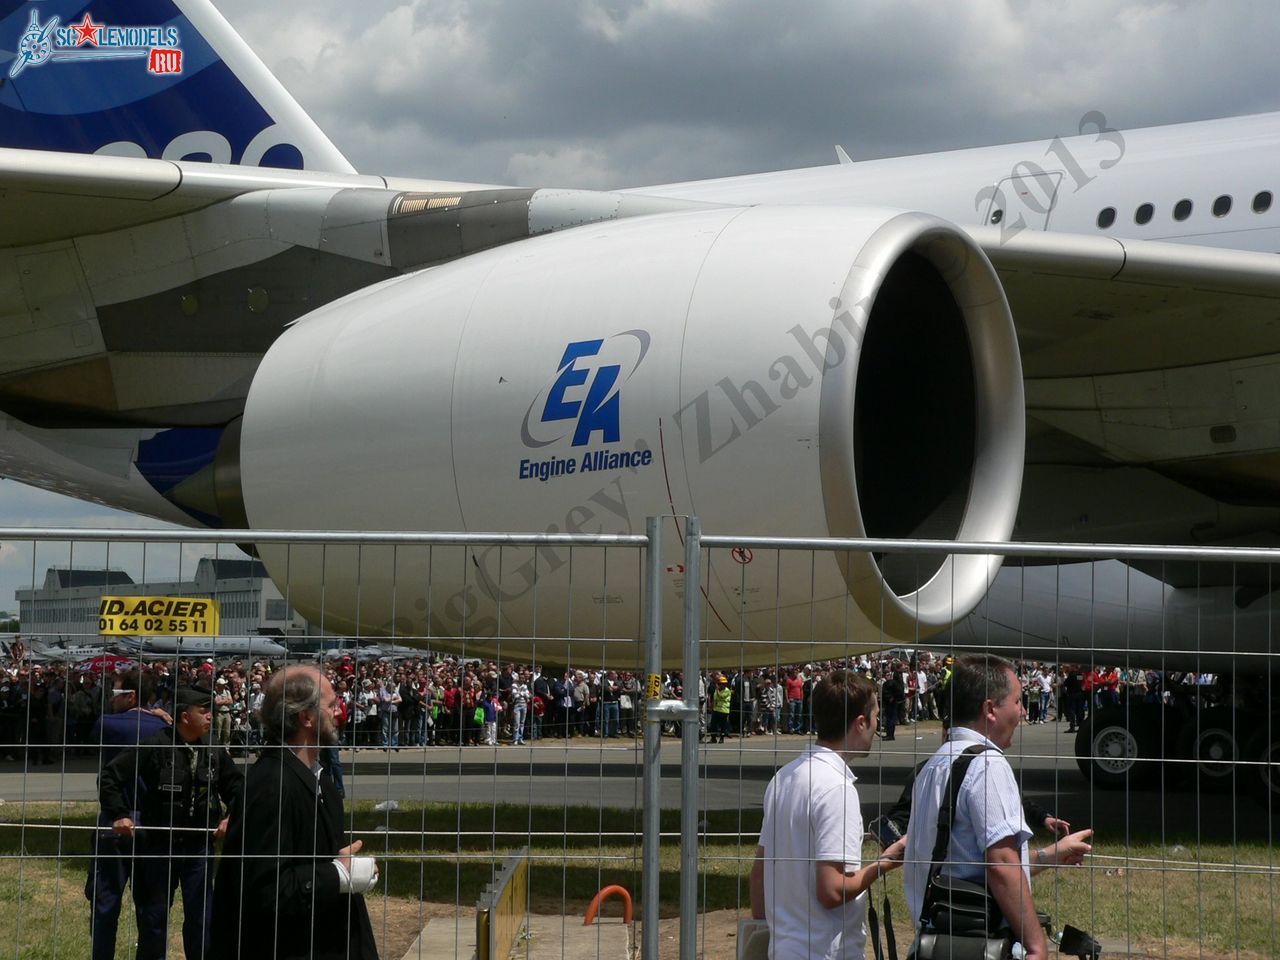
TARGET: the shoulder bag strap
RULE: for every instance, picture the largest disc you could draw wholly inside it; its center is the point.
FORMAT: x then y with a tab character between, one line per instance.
890	938
946	817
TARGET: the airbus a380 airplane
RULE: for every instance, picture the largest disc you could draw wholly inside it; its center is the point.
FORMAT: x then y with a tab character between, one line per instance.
209	317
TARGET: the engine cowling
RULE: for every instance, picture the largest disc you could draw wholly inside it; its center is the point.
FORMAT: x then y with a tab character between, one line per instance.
774	371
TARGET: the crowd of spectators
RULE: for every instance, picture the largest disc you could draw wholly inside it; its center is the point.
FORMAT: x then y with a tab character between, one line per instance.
434	699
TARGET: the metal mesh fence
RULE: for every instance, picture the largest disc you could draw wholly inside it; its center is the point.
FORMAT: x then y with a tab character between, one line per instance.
1146	680
495	692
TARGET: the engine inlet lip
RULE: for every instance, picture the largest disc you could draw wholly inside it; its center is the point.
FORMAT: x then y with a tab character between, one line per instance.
960	581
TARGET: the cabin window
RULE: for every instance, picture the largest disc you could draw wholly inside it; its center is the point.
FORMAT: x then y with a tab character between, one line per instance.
1144	213
1106	217
1182	210
1262	201
1222	206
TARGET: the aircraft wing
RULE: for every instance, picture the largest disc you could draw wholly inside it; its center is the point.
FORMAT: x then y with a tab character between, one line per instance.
1101	306
47	196
1152	375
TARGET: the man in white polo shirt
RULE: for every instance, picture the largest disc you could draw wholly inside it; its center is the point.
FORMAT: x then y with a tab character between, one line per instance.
808	882
988	841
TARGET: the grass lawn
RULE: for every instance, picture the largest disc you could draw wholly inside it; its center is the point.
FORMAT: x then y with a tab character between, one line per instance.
1174	899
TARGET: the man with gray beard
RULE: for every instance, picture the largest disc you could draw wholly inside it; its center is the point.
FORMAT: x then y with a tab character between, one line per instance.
289	885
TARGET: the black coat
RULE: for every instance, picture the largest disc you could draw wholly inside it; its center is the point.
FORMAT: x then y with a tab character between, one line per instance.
289	833
895	691
171	789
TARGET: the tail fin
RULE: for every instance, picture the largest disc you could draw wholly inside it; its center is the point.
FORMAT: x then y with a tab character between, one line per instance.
147	78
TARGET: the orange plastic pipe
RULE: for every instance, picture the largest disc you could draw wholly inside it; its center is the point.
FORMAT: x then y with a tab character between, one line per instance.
600	897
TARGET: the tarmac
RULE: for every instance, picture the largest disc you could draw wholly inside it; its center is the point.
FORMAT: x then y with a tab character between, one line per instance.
607	773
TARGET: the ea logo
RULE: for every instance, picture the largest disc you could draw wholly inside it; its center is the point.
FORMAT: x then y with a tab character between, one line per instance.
584	396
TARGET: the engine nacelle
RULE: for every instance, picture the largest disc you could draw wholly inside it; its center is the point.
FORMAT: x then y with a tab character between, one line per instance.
774	371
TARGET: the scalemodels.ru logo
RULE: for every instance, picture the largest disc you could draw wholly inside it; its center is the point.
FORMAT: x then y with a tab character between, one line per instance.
41	43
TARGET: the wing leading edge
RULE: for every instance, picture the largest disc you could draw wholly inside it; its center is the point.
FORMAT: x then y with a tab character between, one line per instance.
47	196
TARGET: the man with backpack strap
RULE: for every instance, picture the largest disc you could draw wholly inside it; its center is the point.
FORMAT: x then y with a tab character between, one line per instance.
988	832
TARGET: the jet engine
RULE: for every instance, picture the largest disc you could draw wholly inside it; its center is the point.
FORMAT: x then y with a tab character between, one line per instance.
774	371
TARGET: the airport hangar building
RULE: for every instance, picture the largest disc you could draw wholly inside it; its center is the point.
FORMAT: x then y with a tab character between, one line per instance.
65	608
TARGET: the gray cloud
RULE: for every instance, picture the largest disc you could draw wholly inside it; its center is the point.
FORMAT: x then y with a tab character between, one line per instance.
23	562
628	93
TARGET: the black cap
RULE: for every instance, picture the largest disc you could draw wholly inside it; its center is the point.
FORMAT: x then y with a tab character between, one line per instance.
192	697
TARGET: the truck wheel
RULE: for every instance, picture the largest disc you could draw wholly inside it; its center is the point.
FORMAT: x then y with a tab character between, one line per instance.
1215	744
1262	774
1118	747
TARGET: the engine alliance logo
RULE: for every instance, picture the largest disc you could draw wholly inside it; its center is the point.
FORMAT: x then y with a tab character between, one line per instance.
49	42
583	401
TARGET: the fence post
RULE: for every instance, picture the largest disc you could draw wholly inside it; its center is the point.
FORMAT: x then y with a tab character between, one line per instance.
651	866
689	743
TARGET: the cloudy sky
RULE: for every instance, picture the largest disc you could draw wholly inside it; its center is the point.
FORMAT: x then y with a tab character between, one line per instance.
606	94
